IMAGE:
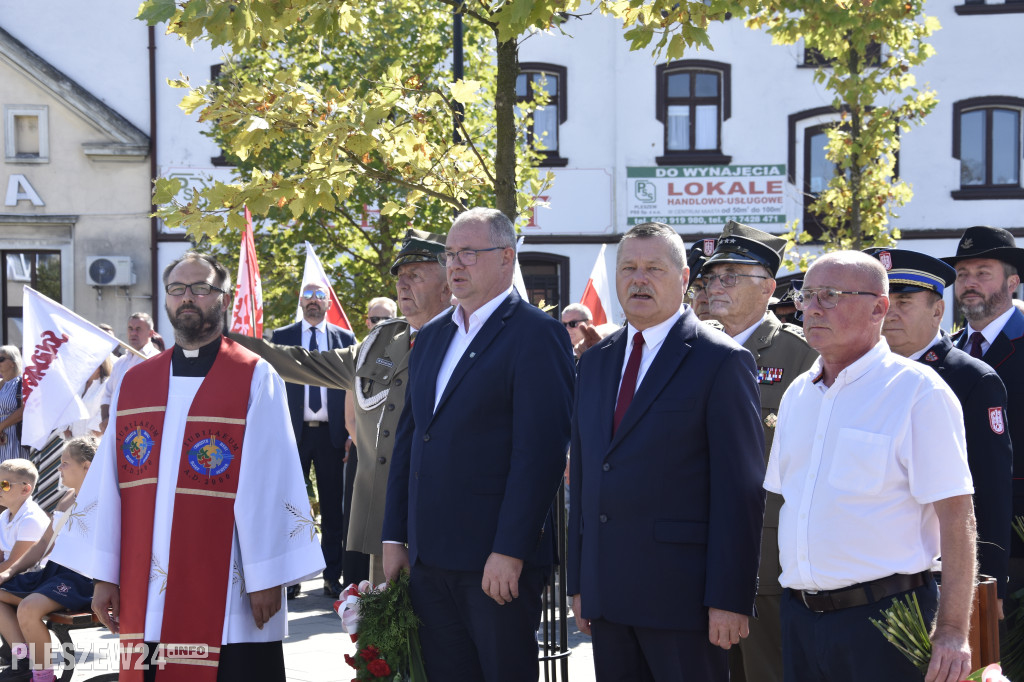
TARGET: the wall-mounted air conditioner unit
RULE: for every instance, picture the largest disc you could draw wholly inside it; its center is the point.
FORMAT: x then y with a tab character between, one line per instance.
109	271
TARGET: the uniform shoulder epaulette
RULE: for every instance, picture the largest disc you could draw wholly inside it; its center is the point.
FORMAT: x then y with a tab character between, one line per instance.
796	330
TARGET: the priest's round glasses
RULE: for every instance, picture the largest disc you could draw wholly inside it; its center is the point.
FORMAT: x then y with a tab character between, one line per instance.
197	288
828	297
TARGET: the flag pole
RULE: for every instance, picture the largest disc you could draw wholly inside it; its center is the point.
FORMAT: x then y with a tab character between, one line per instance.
130	349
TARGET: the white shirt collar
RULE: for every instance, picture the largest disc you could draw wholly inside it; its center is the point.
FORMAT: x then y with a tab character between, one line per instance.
992	329
744	335
322	326
481	314
653	336
918	354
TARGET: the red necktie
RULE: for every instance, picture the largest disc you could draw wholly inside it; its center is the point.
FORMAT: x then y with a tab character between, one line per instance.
974	348
628	387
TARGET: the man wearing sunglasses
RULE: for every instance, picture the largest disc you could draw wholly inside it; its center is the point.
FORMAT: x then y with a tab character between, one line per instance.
575	318
870	458
318	418
195	514
739	279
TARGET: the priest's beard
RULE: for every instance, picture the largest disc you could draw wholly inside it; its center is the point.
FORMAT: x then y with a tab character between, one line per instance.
193	329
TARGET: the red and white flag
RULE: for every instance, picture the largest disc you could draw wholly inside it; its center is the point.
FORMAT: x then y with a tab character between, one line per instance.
247	311
61	351
597	296
314	273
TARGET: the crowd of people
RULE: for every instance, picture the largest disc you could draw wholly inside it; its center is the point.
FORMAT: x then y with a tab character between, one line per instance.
769	487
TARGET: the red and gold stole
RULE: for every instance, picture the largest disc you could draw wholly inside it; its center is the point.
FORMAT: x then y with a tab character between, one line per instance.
199	567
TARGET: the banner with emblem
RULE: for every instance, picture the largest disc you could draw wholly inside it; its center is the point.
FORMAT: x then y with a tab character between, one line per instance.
60	352
247	310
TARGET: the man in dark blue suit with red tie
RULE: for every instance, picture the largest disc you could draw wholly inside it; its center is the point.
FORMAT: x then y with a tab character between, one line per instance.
478	458
667	464
318	418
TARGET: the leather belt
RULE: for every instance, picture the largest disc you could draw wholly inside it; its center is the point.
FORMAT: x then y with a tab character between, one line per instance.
313	425
861	594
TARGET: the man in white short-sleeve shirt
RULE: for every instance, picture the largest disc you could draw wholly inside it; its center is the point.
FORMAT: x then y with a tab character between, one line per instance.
869	456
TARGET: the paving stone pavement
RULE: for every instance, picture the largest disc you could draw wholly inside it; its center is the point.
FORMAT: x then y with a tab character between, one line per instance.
314	649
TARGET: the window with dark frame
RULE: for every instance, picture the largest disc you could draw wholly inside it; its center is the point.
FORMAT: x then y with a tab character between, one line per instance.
987	139
818	172
40	270
693	98
989	7
547	280
544	131
221	159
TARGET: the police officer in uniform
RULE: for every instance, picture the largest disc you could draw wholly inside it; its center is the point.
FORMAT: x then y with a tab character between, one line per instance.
696	295
740	279
376	370
911	328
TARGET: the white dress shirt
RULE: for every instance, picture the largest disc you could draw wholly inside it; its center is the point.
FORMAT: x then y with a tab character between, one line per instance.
990	332
463	337
321	344
654	338
859	464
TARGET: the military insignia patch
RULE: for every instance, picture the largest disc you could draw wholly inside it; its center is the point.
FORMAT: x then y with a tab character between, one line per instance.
930	356
996	421
210	457
967	243
885	258
137	446
709	247
769	375
385	362
771	420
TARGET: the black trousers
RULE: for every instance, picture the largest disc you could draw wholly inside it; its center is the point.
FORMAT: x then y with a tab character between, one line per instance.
244	662
316	449
623	653
843	645
355	565
467	636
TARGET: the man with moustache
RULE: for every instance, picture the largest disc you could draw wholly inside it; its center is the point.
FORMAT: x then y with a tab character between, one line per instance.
740	280
376	374
988	266
194	513
911	328
479	455
667	463
870	459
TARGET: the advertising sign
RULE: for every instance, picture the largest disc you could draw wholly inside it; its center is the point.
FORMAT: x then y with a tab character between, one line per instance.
706	195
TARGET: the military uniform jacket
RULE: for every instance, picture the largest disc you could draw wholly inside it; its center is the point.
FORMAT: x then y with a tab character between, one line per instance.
1006	357
989	454
781	355
377	371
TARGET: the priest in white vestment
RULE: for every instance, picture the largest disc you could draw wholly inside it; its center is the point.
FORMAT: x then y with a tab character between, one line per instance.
273	543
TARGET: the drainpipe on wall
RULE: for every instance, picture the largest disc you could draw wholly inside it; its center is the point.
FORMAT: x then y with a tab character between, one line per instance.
153	224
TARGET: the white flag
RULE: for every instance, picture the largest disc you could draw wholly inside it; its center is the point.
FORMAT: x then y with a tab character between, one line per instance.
517	277
61	351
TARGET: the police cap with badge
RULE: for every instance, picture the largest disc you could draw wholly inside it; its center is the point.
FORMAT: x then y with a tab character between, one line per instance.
418	247
910	271
747	245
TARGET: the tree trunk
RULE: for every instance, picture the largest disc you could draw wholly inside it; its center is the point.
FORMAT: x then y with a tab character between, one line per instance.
505	130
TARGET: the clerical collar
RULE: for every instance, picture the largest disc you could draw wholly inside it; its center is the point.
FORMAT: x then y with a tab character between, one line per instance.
194	363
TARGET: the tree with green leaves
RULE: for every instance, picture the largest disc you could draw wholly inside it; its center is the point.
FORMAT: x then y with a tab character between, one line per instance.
867	50
329	107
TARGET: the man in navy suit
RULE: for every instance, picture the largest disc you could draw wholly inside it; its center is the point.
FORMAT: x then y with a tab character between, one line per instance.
318	418
478	458
988	265
911	328
667	465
